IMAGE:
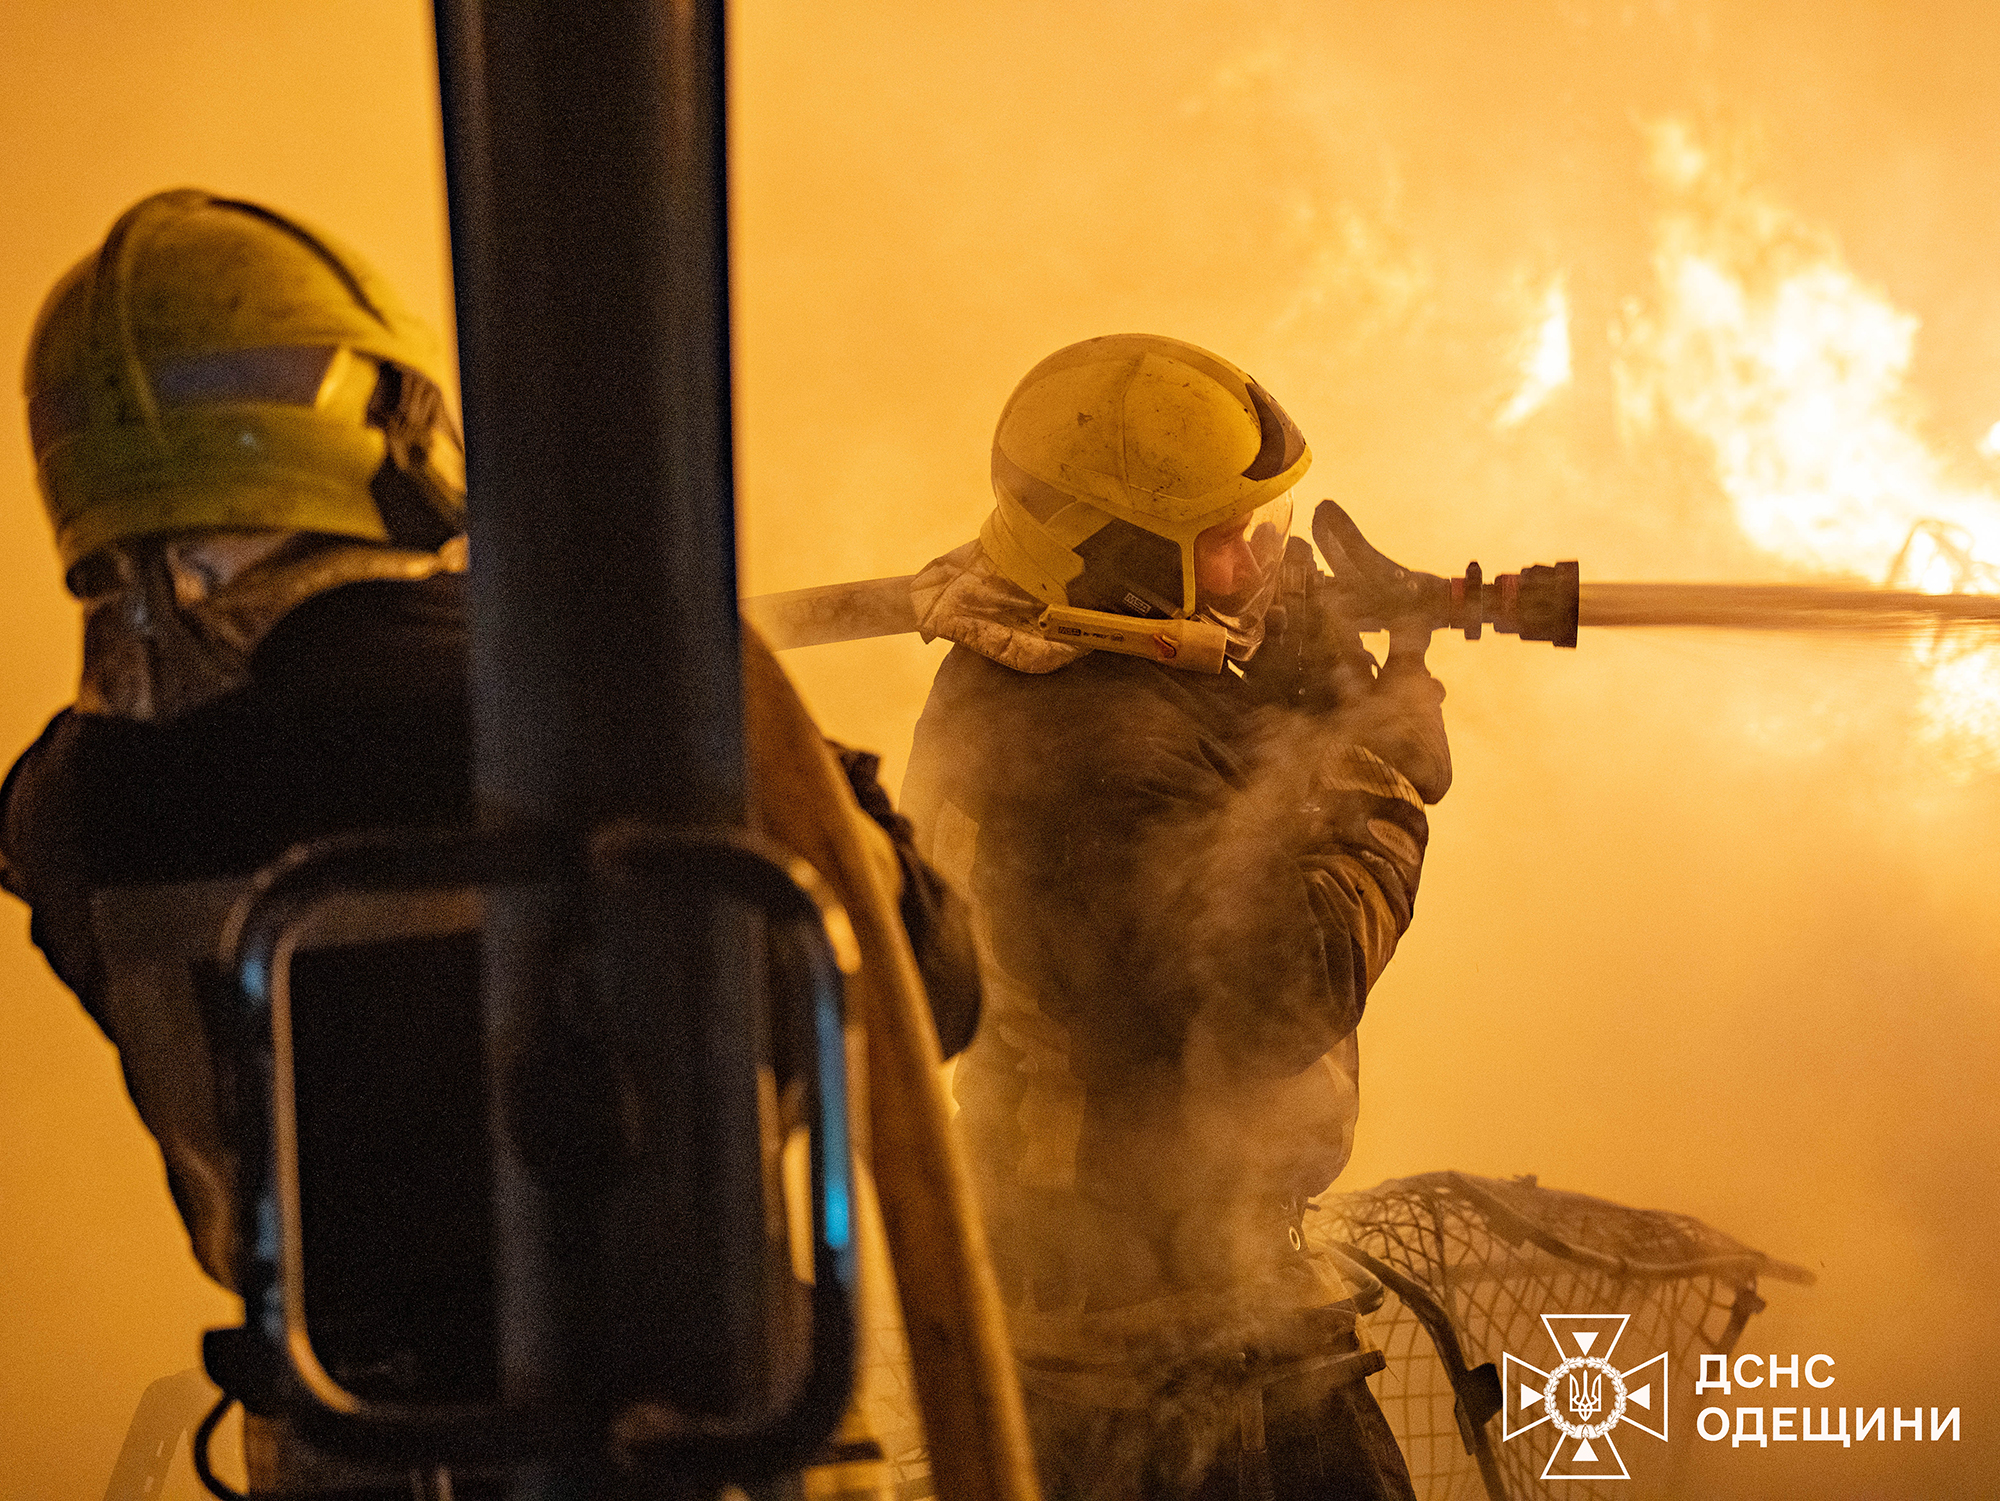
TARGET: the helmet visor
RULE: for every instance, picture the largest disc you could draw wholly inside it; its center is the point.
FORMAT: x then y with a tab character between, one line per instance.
1236	572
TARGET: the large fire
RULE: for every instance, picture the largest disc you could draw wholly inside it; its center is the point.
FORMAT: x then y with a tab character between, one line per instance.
1794	372
1544	360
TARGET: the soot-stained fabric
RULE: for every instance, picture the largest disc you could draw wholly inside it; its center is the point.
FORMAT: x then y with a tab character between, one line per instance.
1185	899
130	840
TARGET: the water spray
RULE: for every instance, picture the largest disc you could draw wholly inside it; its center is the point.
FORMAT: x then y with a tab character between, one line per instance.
1785	607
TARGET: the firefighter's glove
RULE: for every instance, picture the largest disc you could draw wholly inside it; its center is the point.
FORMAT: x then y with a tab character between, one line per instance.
1399	715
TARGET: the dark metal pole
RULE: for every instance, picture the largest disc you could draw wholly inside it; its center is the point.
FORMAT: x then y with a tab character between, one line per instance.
585	148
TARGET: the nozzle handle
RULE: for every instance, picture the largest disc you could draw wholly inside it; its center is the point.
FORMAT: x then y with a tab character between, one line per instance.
1384	588
1540	603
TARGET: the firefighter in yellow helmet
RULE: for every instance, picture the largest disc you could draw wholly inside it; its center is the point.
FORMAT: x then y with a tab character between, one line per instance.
1184	890
258	495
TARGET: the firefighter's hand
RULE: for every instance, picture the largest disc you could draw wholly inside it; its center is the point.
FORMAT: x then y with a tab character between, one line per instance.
1400	716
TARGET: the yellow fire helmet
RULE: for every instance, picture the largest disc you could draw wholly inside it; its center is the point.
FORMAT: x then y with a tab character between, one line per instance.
217	365
1114	455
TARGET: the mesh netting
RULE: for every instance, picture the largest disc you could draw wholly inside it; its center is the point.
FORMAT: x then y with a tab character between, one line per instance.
1471	1265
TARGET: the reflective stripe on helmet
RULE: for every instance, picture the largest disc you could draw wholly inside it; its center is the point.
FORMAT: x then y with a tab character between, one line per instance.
287	375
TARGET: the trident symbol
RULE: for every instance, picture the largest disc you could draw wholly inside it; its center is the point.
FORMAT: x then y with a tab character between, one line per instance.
1586	1397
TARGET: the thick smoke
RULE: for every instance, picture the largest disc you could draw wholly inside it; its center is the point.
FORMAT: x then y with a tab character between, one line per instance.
1706	924
1708	921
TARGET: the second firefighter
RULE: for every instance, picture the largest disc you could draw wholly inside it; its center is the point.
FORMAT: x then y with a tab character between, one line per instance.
1185	890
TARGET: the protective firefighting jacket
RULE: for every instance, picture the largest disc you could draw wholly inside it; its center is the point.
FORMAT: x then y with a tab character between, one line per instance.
131	840
1183	898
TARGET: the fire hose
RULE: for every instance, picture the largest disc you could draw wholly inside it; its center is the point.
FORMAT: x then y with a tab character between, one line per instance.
1366	590
1539	603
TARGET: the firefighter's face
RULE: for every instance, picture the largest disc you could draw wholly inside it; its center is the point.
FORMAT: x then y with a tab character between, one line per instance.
1236	567
1225	567
1235	559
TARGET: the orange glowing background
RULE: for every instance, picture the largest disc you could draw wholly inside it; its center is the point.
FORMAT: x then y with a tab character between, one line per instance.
1682	289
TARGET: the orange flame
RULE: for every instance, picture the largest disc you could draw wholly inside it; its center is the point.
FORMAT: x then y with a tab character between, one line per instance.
1794	372
1543	358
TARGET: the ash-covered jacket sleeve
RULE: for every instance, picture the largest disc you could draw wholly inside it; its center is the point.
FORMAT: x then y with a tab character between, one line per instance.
1263	889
